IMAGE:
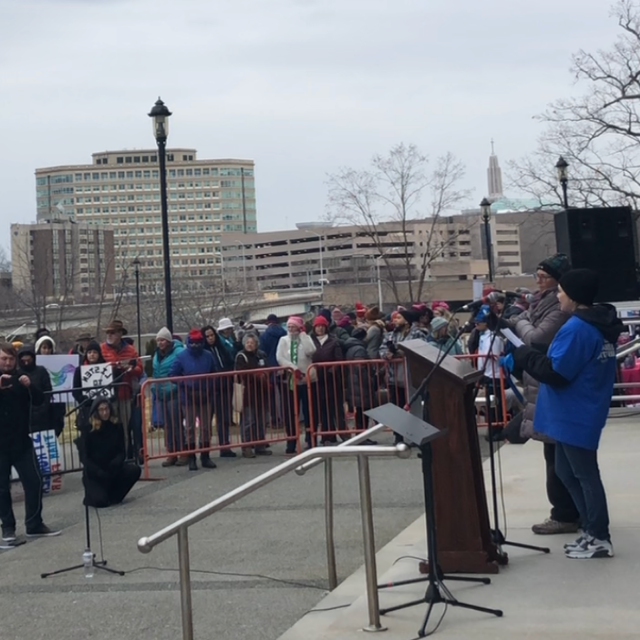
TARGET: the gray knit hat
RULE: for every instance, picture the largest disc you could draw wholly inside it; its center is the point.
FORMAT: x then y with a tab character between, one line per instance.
164	333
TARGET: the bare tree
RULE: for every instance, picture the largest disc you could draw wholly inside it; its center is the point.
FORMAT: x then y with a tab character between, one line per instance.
392	191
598	132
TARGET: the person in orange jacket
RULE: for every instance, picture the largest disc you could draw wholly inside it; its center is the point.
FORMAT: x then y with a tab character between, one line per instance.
127	369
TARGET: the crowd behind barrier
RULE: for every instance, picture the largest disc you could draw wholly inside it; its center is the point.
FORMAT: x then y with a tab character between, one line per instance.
250	407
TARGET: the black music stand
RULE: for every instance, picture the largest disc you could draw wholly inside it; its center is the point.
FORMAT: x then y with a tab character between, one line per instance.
416	431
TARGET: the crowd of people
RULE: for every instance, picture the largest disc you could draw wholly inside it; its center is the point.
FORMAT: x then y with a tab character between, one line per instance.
325	372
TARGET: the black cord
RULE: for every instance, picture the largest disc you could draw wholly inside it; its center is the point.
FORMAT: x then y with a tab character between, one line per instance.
340	606
234	574
430	633
410	557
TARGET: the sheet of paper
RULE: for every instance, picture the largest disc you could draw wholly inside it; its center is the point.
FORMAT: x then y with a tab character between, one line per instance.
512	337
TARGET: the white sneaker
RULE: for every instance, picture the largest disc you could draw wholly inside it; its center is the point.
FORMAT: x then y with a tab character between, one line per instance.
576	543
591	548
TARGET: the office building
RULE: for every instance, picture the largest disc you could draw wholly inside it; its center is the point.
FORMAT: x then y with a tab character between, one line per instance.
207	199
62	261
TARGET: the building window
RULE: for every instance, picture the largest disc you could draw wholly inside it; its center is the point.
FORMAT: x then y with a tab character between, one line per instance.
136	159
120	160
128	160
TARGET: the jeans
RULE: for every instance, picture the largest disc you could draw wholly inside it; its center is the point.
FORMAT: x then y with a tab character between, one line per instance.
252	423
26	464
578	469
563	507
169	417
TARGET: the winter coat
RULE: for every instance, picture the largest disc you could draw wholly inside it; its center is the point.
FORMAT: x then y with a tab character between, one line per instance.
222	358
444	344
397	371
16	404
122	355
373	339
232	346
576	376
329	351
255	384
162	368
39	376
360	380
191	362
340	333
269	342
306	349
537	327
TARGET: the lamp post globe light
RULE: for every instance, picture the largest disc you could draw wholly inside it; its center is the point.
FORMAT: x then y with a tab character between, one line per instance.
485	207
160	118
561	167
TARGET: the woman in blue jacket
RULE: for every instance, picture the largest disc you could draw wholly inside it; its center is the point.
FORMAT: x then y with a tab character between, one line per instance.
577	376
166	404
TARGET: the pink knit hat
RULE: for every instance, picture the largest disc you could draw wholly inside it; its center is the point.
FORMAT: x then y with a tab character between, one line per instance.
297	321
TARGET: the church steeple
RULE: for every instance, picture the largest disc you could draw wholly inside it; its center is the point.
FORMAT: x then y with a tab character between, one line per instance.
494	176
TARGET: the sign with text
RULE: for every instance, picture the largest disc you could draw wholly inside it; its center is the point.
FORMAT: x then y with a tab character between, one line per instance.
95	380
45	445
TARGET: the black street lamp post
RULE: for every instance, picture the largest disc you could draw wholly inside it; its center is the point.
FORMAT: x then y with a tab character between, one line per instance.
136	266
561	167
160	115
485	207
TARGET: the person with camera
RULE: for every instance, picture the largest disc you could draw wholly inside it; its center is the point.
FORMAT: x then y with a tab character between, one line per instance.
405	328
17	397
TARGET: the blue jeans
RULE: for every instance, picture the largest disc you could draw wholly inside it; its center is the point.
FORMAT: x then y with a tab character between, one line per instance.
578	470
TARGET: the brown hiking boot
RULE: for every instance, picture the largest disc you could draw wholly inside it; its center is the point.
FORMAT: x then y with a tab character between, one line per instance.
182	461
551	527
169	462
248	452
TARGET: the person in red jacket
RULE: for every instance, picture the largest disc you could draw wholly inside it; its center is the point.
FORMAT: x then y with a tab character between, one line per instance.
127	368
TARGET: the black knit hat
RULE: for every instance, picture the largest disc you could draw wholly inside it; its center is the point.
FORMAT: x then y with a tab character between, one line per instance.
556	266
581	285
409	316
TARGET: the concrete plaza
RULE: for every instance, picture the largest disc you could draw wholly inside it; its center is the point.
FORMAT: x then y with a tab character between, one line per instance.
542	596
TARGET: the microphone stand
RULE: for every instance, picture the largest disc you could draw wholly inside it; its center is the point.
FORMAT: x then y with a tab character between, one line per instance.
498	537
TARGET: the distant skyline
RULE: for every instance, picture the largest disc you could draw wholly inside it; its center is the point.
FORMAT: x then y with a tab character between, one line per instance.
303	87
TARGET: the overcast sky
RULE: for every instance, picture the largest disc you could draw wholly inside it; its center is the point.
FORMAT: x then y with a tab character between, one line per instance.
301	86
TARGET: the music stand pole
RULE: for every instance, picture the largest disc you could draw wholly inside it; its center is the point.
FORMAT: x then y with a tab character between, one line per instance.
98	564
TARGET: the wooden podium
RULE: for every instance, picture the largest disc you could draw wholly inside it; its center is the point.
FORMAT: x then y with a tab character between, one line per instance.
463	531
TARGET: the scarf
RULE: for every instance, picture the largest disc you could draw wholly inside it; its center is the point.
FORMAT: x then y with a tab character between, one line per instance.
294	359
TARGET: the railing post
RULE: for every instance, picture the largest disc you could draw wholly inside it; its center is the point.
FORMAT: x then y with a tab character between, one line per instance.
185	584
328	519
371	574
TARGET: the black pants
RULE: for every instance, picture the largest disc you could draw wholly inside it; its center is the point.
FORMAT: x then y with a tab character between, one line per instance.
102	492
26	464
563	508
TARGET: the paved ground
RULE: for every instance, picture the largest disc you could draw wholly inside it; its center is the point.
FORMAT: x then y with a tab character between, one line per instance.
277	532
543	596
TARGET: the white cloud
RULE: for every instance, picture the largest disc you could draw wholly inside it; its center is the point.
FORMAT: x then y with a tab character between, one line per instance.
301	86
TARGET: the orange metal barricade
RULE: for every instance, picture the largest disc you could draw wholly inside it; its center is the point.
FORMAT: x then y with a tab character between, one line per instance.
191	415
340	392
496	387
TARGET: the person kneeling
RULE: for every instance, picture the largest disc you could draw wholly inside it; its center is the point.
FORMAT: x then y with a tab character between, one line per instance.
107	478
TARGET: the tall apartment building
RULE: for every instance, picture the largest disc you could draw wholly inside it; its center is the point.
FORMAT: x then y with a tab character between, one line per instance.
206	200
62	261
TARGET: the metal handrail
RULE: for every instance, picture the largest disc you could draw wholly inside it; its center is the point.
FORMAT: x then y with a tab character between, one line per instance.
626	349
180	528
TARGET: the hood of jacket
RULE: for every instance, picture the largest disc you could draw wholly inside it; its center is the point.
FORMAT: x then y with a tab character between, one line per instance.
604	318
27	350
40	341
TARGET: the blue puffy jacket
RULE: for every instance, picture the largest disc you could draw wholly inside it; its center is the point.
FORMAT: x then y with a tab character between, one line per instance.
192	362
162	369
269	342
